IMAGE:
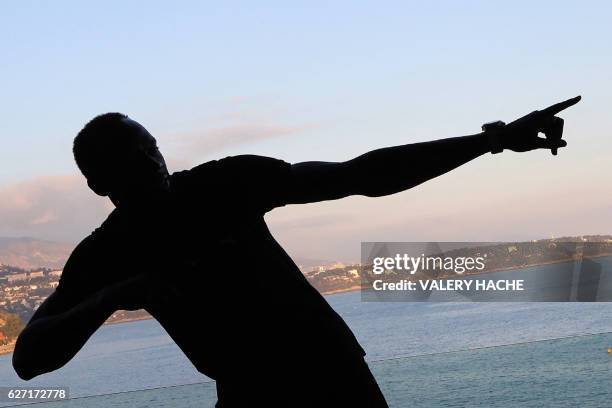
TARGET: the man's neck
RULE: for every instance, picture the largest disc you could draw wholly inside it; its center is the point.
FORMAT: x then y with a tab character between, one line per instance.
128	201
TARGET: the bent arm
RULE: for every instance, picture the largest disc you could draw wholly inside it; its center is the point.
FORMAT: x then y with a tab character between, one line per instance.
383	171
51	339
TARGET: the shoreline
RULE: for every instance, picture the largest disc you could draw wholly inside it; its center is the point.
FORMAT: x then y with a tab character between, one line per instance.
8	349
505	269
514	268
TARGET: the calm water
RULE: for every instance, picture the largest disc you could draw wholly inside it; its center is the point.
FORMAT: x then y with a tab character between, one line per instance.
570	372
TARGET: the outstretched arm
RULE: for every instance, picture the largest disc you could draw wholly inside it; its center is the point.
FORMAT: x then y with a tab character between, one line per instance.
394	169
383	171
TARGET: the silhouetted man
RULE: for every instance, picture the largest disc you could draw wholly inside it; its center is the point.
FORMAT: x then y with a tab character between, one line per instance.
192	248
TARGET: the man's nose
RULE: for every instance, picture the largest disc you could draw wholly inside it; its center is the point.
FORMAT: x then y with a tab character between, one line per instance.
159	163
155	161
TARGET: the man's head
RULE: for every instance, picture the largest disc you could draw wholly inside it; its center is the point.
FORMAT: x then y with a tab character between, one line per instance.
119	158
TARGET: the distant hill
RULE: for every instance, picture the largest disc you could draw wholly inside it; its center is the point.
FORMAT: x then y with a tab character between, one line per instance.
306	264
31	253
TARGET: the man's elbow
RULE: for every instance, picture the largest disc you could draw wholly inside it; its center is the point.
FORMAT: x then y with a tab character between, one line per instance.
24	361
23	368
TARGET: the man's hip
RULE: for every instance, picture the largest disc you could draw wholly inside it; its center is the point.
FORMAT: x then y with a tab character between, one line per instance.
330	382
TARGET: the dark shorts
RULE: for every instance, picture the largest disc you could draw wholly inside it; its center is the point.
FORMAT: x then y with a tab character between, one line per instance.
327	384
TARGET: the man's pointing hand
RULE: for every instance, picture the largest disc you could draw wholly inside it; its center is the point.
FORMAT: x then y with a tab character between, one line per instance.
522	134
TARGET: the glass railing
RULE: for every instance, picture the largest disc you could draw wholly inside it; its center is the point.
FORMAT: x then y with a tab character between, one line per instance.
568	372
198	395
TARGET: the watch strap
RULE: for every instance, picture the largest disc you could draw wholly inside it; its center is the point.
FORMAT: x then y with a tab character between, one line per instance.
494	130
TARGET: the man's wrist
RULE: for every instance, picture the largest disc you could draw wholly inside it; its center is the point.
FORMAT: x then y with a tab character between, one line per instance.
495	132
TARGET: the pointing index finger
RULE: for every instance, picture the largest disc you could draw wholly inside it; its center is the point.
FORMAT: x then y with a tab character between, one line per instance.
558	107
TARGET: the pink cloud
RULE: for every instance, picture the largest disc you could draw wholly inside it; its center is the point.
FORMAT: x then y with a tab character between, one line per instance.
53	207
197	143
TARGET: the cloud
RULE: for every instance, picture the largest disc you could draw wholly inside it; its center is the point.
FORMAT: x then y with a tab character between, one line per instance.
62	208
46	218
206	141
59	208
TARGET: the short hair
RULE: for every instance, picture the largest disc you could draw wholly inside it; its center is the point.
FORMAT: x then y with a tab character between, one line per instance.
95	138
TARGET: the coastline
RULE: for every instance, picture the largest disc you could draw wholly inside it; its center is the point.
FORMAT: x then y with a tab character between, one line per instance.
7	349
510	268
343	290
514	268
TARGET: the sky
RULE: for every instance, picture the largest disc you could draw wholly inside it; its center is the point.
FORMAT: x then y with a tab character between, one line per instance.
314	81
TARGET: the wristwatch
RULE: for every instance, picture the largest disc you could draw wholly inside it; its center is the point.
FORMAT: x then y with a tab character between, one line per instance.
493	130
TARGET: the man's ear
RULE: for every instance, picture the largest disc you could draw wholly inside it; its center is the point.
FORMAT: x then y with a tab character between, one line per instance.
98	188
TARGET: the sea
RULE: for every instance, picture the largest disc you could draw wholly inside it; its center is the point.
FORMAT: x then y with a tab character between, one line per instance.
423	354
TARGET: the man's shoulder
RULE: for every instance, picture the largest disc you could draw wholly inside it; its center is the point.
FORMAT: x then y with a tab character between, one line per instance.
244	165
95	241
198	173
111	225
111	222
86	266
248	182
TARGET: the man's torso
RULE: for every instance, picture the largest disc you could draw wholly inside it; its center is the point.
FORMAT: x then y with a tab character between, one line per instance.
238	303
